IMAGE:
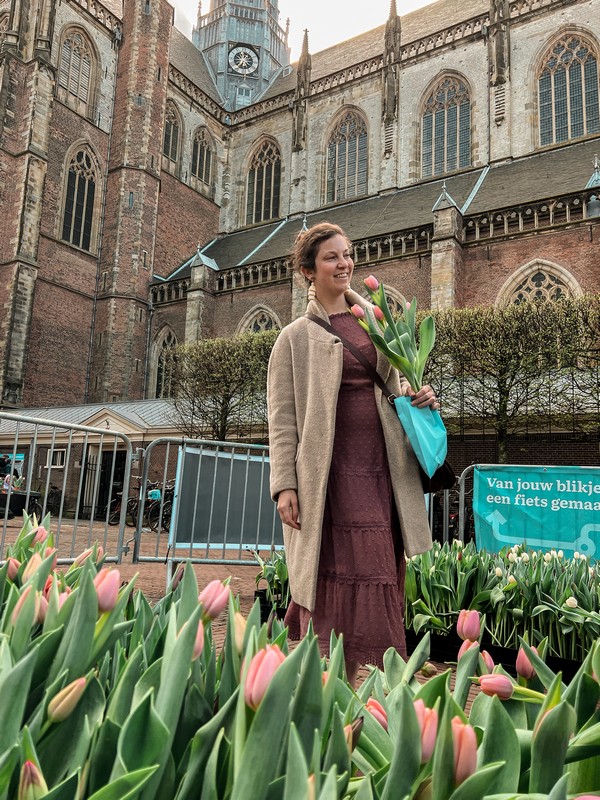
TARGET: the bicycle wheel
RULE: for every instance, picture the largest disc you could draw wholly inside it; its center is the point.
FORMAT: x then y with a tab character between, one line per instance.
166	517
37	509
115	515
153	515
132	512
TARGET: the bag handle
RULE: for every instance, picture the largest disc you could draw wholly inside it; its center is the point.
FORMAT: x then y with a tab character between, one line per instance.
373	374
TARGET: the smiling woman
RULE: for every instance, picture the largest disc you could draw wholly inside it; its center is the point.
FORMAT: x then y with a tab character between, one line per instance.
347	488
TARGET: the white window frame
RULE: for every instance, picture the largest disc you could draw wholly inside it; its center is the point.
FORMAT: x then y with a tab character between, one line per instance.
56	455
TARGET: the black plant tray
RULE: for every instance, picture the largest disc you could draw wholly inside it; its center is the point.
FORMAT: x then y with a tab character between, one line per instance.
445	649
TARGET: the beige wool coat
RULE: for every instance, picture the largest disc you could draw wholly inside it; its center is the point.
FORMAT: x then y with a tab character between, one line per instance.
305	373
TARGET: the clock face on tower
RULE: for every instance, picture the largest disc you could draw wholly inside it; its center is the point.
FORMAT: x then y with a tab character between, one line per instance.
243	60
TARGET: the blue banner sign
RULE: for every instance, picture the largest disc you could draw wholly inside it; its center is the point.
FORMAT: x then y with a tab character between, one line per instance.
542	507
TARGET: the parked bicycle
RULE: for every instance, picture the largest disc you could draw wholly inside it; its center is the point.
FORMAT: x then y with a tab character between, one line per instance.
160	510
133	506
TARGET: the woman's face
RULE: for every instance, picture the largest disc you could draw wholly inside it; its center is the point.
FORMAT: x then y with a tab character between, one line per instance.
333	268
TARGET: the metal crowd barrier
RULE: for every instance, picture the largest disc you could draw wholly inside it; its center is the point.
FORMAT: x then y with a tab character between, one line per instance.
79	474
217	509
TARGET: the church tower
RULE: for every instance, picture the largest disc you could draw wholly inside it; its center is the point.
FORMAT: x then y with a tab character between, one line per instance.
245	46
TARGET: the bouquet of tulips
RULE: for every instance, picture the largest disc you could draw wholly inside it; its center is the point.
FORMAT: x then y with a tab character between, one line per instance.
397	339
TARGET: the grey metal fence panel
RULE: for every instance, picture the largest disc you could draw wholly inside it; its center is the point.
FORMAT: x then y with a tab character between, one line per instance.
78	474
216	507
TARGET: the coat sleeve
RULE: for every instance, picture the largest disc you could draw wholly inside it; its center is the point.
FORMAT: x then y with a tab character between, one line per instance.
283	426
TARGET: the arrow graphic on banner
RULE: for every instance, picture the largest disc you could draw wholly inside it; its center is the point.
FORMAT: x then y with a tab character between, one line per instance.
496	521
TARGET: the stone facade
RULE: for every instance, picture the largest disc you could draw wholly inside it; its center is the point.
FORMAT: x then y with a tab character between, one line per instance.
125	175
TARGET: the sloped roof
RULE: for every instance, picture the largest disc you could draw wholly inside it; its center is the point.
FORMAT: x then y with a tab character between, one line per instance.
531	178
115	7
535	177
403	209
185	57
142	414
422	22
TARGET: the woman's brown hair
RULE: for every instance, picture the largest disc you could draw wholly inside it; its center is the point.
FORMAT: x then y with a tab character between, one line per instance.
308	243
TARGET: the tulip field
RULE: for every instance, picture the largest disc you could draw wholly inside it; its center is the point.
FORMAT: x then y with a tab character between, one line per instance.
107	697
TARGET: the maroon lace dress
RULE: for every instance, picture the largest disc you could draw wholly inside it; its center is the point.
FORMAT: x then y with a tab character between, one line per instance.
360	584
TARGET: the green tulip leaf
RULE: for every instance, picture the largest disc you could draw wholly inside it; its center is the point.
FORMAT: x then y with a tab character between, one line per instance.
477	785
67	790
466	667
406	760
15	691
126	787
417	658
209	781
500	742
103	755
296	771
143	724
202	746
549	747
8	761
394	667
307	705
188	595
337	756
442	783
119	702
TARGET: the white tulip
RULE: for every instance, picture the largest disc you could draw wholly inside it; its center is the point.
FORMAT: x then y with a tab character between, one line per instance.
571	602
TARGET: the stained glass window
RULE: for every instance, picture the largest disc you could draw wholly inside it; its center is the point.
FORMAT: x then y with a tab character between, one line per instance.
164	376
446	129
347	159
171	136
79	200
202	156
568	91
264	184
75	67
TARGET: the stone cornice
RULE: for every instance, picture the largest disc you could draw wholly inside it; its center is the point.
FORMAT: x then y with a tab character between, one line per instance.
101	14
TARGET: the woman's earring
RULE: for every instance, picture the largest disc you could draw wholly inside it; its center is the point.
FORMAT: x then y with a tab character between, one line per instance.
312	292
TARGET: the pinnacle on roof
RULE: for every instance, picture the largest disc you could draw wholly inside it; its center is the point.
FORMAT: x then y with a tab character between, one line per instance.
393	9
595	178
304	55
444	200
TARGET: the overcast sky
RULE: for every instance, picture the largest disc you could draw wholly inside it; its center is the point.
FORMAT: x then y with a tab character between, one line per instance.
328	21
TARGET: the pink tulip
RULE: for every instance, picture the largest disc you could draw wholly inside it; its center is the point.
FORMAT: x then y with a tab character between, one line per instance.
177	577
497	684
324	677
21	602
31	567
468	625
63	703
13	568
371	283
378	313
63	596
378	711
31	783
358	311
239	630
82	557
523	665
428	723
214	598
487	660
42	610
41	534
465	750
107	583
48	552
260	672
199	643
466	645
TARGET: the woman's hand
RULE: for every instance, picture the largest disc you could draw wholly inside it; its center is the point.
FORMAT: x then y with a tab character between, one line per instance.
287	507
424	397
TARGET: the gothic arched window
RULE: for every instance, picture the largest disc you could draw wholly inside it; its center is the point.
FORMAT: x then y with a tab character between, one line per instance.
3	27
540	285
80	196
568	91
347	159
202	153
164	376
261	321
75	71
171	136
264	184
446	128
539	280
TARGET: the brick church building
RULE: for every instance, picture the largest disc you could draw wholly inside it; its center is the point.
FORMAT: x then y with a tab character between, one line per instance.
151	187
